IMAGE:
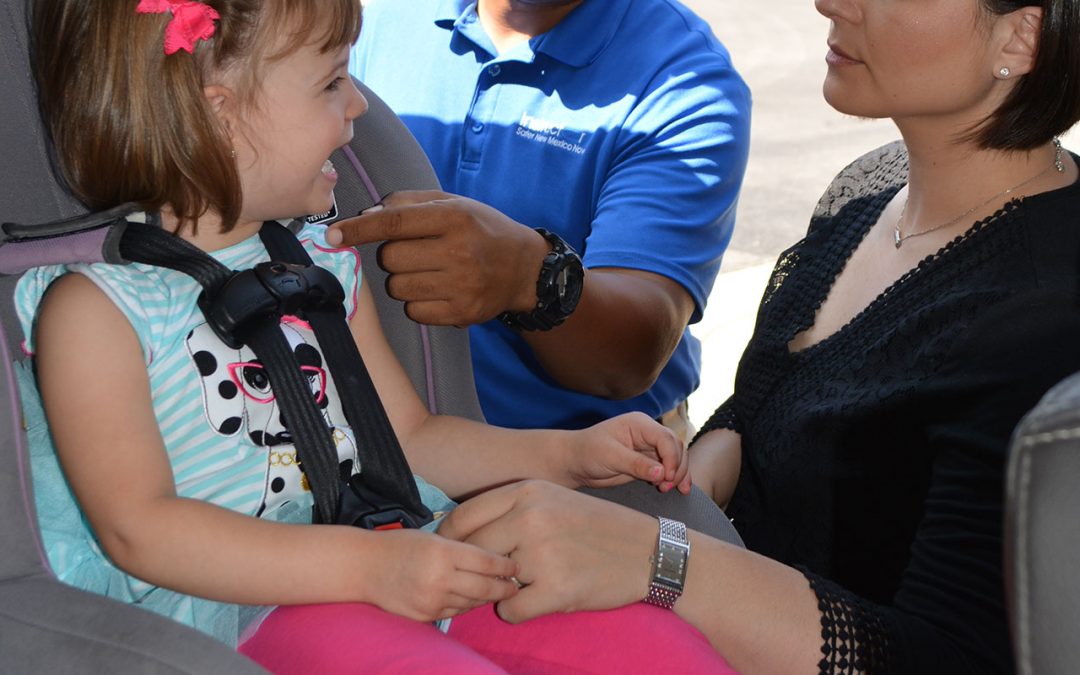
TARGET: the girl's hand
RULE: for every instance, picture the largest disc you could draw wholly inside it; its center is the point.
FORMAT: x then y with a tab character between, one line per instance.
426	577
629	446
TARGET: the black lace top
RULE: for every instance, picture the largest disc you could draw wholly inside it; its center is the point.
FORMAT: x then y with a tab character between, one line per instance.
874	460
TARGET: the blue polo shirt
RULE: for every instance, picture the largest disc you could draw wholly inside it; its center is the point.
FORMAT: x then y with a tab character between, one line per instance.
625	129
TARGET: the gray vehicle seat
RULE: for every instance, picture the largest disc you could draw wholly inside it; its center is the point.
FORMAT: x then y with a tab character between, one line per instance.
1042	534
47	626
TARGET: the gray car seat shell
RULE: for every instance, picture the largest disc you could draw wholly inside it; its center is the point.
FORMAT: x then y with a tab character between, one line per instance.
47	626
1042	534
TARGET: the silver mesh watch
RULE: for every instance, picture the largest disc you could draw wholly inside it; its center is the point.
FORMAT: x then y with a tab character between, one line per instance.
669	564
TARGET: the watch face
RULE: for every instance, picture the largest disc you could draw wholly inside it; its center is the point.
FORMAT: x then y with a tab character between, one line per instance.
568	285
671	564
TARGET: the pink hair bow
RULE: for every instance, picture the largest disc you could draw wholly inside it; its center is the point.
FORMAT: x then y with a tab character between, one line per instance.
191	21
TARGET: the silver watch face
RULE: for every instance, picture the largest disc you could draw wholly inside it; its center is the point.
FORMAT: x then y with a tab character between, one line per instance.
671	563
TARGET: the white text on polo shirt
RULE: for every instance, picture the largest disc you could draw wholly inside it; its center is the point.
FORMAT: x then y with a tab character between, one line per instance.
544	131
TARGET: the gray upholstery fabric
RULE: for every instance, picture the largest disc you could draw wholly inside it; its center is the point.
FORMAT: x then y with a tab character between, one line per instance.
28	191
696	509
45	626
1042	534
48	627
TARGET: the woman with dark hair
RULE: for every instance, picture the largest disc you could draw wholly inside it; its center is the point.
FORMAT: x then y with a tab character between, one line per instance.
934	299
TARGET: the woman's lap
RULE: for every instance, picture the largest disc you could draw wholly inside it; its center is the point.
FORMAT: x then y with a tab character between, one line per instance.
633	639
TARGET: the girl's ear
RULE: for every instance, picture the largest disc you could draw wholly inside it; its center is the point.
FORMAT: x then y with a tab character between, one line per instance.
222	101
1019	37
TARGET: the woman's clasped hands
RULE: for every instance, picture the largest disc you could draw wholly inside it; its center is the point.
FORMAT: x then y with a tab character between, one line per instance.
535	533
572	552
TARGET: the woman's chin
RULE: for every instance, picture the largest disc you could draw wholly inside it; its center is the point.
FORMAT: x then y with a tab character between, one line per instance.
848	105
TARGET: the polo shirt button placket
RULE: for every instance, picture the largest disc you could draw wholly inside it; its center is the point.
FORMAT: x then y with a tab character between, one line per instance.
494	70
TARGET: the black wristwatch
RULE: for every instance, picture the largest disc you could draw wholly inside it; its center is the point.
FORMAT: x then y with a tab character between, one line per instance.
557	290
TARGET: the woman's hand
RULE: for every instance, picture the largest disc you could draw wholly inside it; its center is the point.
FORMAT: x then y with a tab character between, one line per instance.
425	577
715	460
574	552
629	446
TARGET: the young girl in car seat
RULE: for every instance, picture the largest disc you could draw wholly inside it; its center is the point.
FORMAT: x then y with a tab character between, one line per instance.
174	483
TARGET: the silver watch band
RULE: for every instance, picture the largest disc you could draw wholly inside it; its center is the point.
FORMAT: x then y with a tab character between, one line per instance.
669	564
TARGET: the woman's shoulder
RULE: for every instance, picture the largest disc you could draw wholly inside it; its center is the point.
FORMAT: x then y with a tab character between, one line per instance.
880	169
1050	222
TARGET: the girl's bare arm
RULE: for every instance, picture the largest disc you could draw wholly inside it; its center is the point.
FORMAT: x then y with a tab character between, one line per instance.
96	393
464	457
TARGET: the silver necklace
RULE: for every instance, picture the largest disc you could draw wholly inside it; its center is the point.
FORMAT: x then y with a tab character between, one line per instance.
899	237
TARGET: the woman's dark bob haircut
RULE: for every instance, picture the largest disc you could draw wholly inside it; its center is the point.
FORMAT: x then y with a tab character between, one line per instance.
1046	102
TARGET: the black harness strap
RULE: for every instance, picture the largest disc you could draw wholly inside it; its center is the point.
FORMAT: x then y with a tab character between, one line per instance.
386	472
245	307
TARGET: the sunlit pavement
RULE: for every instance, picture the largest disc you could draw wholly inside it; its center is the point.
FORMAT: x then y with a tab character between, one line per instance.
798	143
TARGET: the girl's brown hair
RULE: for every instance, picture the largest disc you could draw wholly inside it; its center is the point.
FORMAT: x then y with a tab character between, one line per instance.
131	124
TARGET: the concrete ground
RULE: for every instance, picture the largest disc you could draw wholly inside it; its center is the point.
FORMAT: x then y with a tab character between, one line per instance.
798	143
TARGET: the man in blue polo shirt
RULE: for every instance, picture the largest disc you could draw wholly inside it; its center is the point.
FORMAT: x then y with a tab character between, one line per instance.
620	129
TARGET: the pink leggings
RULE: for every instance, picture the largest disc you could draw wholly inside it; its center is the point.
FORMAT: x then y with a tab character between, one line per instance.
346	638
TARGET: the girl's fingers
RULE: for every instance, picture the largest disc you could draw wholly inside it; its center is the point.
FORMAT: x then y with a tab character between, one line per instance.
649	435
476	589
479	511
477	561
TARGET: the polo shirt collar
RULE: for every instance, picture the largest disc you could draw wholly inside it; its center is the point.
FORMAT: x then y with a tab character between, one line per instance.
447	12
576	41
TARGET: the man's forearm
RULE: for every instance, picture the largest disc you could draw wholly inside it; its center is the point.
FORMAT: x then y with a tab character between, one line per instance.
621	335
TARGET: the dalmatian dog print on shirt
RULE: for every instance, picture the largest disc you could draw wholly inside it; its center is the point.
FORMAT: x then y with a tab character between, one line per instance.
238	399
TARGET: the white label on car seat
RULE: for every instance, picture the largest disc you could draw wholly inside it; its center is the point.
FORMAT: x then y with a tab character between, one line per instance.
328	217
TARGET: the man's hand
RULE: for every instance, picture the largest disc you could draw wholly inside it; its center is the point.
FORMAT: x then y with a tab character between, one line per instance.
451	260
457	262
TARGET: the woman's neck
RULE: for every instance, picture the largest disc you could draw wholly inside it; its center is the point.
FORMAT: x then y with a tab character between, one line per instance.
946	177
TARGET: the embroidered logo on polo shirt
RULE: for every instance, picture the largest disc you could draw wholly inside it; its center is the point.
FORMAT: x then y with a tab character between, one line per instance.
540	130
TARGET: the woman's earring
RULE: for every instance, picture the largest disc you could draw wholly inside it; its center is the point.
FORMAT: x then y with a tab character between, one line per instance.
1004	72
232	153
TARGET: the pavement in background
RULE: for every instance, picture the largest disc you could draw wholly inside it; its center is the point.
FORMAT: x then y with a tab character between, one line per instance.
798	143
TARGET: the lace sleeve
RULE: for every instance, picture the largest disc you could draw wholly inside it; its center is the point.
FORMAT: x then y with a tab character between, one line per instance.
722	418
853	636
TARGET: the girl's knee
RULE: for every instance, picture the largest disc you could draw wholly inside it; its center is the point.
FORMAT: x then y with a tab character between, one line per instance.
355	637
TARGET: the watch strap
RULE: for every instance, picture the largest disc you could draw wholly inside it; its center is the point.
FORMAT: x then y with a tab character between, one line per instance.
669	564
549	311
